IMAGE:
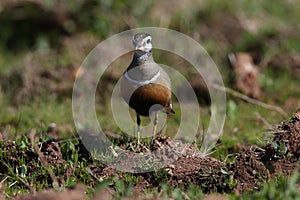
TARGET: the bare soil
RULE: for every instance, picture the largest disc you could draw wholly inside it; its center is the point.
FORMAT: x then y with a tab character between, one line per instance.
251	168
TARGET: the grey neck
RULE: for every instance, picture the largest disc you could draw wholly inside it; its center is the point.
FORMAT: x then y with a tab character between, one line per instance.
142	58
142	67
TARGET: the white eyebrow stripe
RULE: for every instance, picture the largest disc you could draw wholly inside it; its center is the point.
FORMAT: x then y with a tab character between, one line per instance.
142	83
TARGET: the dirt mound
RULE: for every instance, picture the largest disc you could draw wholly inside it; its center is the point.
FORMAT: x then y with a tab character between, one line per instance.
206	171
252	167
249	171
282	154
256	165
184	163
176	163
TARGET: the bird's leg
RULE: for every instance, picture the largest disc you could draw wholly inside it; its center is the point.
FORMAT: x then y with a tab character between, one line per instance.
155	121
138	121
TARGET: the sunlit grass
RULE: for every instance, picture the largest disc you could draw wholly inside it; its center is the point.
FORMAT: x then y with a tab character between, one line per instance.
276	25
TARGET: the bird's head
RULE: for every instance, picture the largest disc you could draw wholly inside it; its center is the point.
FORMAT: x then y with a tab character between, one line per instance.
142	43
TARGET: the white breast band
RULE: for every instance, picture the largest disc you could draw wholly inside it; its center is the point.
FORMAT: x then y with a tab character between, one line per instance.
142	83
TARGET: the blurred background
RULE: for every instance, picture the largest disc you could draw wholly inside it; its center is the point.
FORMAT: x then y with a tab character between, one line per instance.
44	42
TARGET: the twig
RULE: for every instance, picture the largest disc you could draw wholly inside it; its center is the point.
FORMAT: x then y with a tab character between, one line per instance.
250	100
96	178
186	197
12	184
92	174
227	156
41	156
4	180
264	120
274	132
31	189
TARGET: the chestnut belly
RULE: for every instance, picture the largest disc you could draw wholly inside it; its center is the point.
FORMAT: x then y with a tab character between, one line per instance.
146	96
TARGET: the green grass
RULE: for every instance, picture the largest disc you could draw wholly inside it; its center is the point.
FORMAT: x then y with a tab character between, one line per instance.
245	123
278	188
36	114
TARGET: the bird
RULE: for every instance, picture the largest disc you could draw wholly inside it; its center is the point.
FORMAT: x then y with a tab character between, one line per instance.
145	86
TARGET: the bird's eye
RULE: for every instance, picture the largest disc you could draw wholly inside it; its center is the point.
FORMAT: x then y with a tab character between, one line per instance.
148	41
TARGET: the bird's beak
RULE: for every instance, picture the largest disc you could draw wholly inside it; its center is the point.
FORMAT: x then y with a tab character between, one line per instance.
138	48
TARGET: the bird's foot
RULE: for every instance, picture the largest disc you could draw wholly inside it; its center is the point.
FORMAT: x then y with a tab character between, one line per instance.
141	148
